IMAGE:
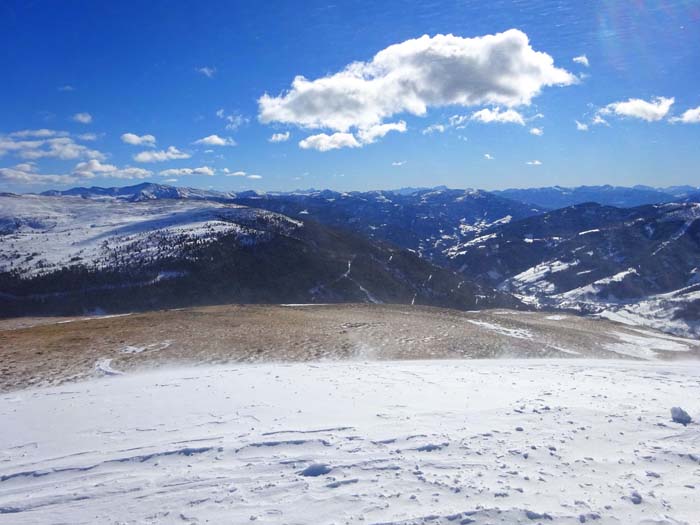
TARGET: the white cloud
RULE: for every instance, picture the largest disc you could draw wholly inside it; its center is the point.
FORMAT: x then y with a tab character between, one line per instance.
172	153
537	131
26	173
414	75
170	180
434	128
488	156
534	163
581	126
509	116
178	172
58	147
279	137
371	134
88	137
689	116
459	121
66	87
582	59
651	111
233	120
324	142
599	121
37	133
94	168
215	140
254	177
90	168
230	173
398	163
83	118
138	140
207	71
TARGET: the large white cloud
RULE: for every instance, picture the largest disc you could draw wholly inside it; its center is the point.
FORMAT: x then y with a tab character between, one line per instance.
651	111
325	142
172	153
412	76
138	140
689	116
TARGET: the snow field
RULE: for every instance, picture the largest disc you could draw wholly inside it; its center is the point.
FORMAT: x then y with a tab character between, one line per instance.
440	442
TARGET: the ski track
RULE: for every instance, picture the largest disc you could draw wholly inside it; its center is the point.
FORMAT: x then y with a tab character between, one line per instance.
439	442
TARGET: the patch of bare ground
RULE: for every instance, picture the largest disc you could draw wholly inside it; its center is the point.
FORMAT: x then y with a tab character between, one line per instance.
46	351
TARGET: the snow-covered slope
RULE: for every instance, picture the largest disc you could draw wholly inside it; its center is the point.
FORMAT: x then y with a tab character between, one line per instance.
640	264
43	234
426	442
141	192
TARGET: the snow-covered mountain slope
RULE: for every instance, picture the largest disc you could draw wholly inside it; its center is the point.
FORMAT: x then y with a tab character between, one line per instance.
141	192
641	264
70	255
423	442
43	234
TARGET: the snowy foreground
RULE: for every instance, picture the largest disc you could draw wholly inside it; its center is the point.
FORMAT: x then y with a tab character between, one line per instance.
440	442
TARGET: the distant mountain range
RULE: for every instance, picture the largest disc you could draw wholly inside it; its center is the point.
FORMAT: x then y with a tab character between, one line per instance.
82	248
72	255
554	197
550	197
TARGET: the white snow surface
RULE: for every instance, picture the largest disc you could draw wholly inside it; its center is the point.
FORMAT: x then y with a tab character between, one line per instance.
439	442
43	234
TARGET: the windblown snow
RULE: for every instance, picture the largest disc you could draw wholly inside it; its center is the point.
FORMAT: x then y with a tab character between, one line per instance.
439	442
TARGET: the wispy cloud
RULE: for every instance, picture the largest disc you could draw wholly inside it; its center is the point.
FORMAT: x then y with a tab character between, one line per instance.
207	71
279	137
582	59
233	120
82	118
178	172
434	128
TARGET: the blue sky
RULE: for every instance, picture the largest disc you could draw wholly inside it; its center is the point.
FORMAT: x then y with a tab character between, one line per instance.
486	107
